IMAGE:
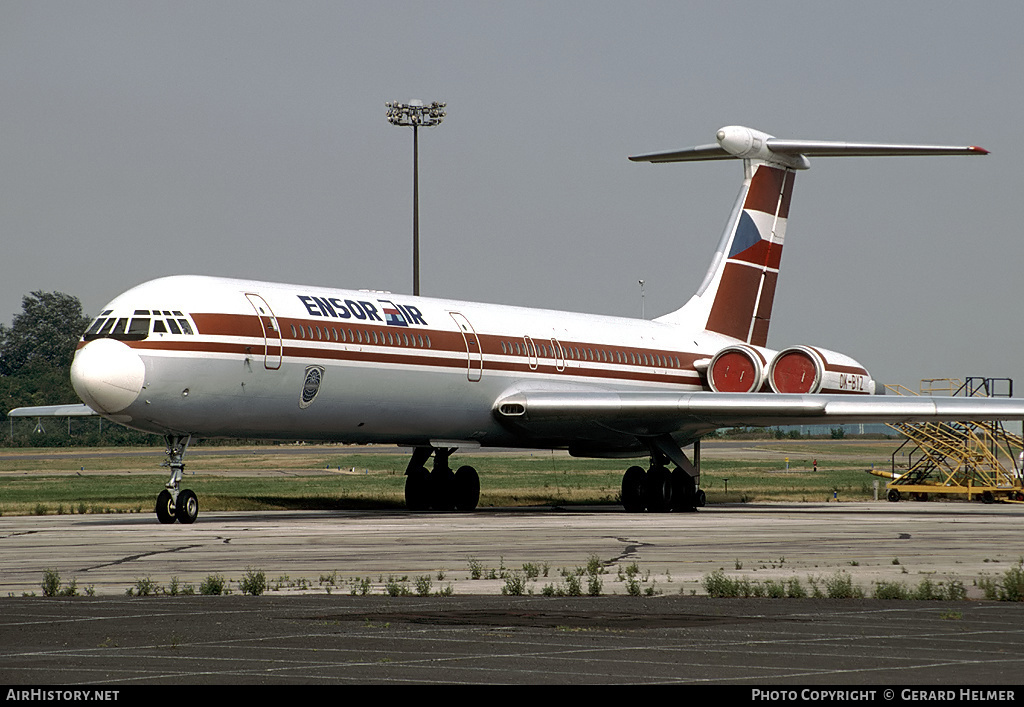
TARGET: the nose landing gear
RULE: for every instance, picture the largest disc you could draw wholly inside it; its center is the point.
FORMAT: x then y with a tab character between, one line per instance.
174	503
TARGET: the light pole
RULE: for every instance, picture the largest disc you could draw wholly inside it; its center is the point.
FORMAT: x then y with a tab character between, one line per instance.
643	315
415	114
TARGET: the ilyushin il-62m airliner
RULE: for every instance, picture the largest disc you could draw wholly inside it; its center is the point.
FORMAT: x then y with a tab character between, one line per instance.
188	356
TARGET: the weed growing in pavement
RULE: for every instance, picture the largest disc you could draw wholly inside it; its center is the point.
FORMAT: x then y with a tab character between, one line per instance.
254	582
51	583
214	584
144	587
397	587
1009	588
360	586
515	585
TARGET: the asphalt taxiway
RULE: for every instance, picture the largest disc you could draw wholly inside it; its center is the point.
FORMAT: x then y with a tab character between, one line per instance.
108	554
309	627
316	639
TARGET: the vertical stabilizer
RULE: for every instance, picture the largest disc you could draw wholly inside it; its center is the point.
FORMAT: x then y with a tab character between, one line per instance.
735	299
745	289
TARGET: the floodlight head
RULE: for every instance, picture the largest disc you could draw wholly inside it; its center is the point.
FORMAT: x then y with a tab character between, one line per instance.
415	113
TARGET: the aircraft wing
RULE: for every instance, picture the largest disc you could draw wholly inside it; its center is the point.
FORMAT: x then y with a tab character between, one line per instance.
645	413
69	410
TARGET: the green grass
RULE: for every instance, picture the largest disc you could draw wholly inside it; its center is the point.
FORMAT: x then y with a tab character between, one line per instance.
243	479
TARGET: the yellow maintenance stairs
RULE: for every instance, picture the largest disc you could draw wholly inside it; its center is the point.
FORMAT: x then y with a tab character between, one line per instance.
975	459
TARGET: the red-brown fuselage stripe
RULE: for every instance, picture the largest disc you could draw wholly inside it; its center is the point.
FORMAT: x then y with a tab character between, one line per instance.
323	346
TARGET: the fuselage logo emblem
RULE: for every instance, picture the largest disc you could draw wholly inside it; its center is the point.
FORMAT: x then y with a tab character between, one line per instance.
311	385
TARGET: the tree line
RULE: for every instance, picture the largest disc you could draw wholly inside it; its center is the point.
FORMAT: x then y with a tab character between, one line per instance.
36	351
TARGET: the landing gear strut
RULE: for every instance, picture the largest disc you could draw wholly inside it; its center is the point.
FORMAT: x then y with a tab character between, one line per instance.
659	490
174	503
441	489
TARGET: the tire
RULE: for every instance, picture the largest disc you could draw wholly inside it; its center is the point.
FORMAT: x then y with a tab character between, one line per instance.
442	489
467	489
187	508
632	495
658	490
165	507
417	489
684	491
893	495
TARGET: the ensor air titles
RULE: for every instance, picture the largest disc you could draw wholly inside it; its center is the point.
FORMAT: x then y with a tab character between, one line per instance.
394	314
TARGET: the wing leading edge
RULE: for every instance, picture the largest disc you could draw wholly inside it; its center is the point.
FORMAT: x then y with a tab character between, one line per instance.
69	410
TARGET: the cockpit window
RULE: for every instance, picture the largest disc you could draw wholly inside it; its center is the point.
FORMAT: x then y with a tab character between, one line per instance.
94	330
137	327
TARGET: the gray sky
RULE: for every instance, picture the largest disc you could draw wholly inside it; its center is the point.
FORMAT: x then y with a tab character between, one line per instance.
140	139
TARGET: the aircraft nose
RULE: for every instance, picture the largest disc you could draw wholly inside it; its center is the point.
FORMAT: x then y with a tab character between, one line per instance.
107	375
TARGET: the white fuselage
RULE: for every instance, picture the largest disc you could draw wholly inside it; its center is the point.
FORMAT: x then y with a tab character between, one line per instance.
358	366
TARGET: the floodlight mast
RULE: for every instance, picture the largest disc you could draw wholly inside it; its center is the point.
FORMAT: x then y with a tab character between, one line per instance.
414	114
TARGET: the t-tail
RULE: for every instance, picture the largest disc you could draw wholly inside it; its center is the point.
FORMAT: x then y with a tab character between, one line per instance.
735	298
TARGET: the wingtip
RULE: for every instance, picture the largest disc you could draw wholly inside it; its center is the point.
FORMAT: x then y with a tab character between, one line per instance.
979	150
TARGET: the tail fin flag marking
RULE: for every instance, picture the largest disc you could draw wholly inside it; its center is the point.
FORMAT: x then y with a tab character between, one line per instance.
742	303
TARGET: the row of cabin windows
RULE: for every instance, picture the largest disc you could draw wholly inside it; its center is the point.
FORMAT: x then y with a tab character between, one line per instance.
542	350
358	336
137	327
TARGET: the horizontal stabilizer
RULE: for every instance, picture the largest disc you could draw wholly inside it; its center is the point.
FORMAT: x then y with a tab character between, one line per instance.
689	154
823	148
738	142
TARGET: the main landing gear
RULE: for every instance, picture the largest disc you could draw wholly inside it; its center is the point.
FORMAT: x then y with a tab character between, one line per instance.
441	489
659	490
174	503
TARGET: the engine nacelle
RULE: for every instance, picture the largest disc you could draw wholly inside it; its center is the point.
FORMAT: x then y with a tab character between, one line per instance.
806	369
737	369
